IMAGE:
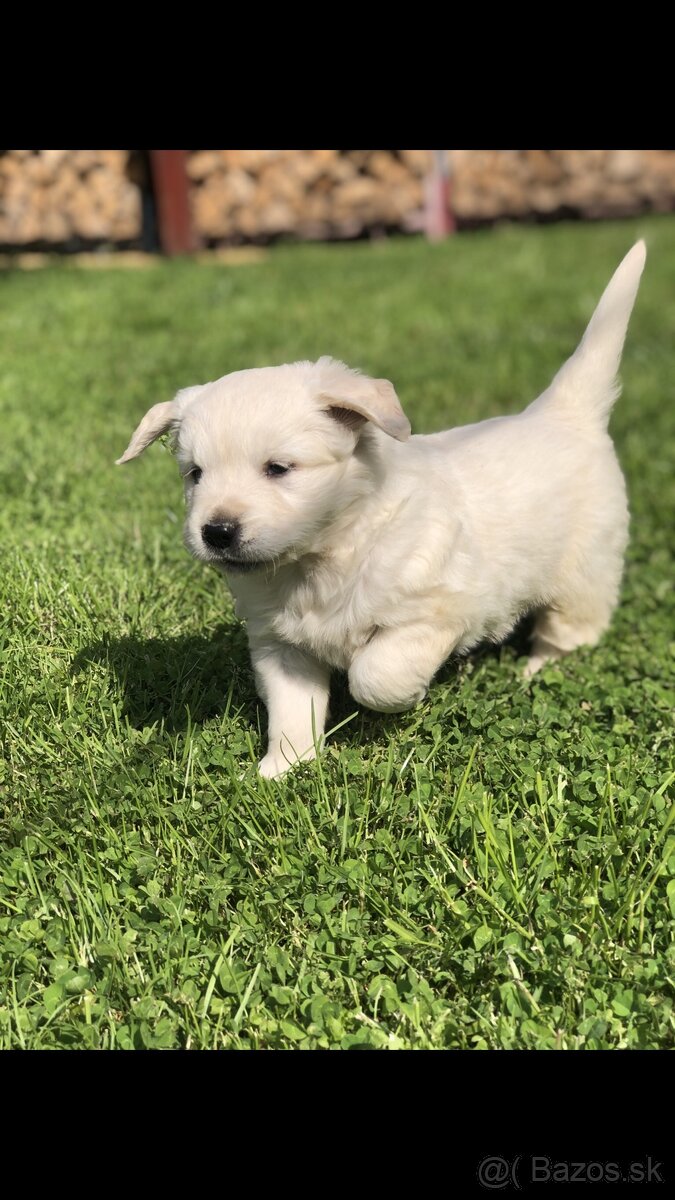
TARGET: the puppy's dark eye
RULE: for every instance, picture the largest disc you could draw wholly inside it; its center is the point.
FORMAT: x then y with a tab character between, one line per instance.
275	468
194	475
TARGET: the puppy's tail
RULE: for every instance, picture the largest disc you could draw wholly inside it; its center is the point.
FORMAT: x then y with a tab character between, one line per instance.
586	387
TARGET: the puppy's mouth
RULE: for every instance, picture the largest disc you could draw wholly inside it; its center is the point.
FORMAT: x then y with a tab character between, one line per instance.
230	562
237	564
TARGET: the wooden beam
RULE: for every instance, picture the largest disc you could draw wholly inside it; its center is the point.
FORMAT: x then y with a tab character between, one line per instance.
171	190
439	218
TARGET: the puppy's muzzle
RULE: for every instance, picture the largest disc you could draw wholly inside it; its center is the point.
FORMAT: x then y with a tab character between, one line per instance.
221	535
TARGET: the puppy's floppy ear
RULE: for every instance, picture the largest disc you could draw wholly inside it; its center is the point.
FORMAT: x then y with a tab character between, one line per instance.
374	399
157	421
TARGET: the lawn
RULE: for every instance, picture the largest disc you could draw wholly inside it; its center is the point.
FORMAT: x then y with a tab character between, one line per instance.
495	868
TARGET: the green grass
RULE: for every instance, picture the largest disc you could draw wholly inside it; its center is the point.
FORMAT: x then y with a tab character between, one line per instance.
494	869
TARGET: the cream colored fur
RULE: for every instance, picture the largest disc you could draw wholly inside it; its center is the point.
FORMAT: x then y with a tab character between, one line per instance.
382	554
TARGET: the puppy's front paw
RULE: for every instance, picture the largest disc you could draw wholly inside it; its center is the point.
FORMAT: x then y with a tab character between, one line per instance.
275	764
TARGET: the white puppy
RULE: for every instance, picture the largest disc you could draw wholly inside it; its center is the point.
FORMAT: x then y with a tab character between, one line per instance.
347	543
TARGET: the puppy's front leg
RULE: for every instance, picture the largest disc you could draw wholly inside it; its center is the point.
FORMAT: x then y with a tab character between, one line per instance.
294	687
392	672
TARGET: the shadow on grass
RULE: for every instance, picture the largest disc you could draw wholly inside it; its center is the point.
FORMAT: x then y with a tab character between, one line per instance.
165	679
187	680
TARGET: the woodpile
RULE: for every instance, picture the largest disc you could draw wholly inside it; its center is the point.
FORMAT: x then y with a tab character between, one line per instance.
67	197
490	184
70	197
239	195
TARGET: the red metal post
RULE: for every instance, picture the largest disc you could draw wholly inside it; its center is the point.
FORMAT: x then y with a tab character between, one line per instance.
439	219
171	189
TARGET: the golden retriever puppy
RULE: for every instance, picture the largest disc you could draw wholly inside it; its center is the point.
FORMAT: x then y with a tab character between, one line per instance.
350	544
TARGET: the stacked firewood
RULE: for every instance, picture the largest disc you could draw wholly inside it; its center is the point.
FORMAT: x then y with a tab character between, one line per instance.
489	184
244	194
67	196
257	194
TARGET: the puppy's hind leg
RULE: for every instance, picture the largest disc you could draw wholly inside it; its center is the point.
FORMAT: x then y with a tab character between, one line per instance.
578	620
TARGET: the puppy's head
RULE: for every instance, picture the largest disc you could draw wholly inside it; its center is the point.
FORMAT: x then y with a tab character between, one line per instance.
269	456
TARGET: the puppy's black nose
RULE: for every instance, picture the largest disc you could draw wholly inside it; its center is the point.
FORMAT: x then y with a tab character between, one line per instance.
221	535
